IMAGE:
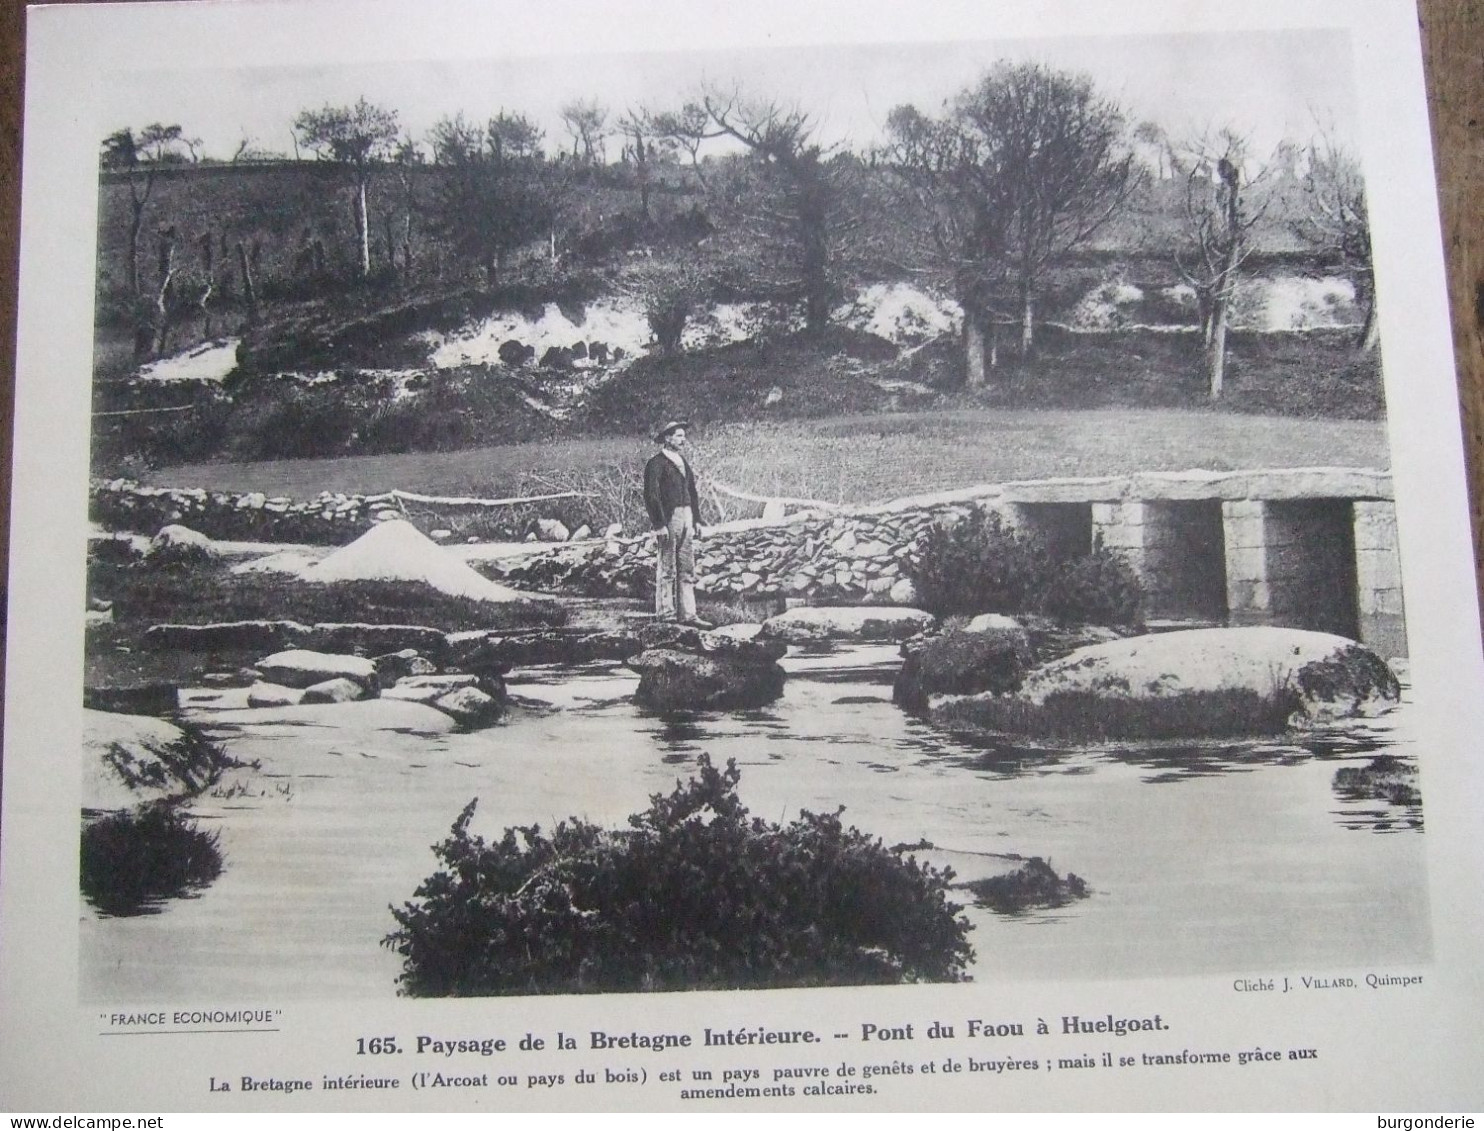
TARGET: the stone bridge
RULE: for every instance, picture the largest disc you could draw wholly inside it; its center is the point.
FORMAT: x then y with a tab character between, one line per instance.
1305	547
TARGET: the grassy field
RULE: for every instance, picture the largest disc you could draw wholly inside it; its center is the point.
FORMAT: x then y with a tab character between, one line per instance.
847	459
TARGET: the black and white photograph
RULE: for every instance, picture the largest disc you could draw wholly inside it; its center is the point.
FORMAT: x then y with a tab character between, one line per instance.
868	512
848	515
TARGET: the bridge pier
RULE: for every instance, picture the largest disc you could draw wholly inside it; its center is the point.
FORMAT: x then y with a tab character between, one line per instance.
1378	577
1176	548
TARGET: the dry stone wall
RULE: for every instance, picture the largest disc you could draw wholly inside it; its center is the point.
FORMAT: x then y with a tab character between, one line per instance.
858	558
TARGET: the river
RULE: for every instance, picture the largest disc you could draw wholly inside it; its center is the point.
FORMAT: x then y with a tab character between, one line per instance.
1207	858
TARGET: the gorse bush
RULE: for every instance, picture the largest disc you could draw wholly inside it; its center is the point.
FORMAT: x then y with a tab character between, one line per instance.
980	565
131	862
694	894
1098	588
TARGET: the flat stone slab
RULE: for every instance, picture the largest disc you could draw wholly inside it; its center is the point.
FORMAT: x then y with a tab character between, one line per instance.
367	715
274	695
225	635
300	667
810	624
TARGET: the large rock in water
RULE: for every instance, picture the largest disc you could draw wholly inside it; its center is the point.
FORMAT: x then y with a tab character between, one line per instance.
989	653
684	669
812	625
132	759
1327	677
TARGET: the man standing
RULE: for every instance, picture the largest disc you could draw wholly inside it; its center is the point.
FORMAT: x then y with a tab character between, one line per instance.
673	506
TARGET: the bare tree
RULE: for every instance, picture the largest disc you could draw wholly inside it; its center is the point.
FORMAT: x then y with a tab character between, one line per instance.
1337	223
687	128
804	213
646	145
141	156
1052	153
586	121
1022	168
1221	209
359	137
965	218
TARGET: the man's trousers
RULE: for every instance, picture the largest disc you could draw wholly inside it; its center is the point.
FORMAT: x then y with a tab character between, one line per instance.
675	568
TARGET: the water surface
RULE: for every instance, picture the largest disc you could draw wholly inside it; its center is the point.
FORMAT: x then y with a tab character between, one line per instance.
1217	857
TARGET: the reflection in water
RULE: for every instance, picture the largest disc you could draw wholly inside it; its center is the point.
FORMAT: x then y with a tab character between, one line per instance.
1199	857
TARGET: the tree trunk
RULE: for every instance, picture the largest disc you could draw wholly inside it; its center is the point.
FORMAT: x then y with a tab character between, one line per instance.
1370	334
1027	322
363	227
162	296
1216	348
973	352
249	291
1370	330
135	224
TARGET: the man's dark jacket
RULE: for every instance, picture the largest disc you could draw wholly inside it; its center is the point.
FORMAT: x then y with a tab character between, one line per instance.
666	488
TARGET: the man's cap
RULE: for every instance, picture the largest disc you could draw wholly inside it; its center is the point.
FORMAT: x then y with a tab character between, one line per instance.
671	426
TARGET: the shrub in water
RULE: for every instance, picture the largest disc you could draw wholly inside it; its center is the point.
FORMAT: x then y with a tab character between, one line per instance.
1099	588
979	565
694	894
131	862
1033	884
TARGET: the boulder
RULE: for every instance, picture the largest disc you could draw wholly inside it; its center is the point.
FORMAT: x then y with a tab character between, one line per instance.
180	545
675	680
812	625
513	353
375	638
339	690
470	707
302	668
264	694
428	688
397	665
903	593
365	716
1325	676
961	661
133	759
598	351
551	530
756	649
